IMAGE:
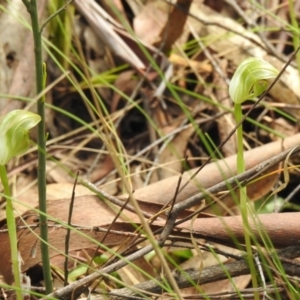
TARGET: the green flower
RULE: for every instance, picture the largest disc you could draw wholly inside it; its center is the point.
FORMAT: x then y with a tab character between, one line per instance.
14	133
251	79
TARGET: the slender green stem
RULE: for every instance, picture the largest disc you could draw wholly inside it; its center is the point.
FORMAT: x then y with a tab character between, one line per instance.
243	196
37	36
12	232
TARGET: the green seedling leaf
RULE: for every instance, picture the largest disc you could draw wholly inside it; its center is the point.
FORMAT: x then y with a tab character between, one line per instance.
251	79
101	259
182	255
77	272
14	133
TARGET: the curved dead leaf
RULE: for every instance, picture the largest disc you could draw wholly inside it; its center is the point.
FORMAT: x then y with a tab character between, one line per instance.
115	36
162	192
91	217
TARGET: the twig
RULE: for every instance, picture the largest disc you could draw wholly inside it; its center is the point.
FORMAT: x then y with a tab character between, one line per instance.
206	275
242	179
68	235
92	187
260	271
107	232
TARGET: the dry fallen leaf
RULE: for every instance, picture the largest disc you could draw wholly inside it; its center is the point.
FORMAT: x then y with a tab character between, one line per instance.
89	212
150	20
117	38
16	44
162	192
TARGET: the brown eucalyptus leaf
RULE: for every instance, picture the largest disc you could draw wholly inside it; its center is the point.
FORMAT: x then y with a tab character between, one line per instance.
16	55
162	192
28	195
116	37
88	211
174	27
150	20
282	228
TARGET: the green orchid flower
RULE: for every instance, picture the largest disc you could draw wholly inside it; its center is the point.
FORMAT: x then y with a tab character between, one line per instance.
14	140
14	133
251	79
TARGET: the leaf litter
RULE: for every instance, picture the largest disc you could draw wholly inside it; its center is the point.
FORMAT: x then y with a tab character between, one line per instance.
157	73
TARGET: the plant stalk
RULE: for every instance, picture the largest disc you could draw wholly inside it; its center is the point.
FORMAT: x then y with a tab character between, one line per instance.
37	36
12	232
243	196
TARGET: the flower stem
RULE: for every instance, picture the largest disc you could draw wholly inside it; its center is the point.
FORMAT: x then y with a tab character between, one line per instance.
12	232
243	196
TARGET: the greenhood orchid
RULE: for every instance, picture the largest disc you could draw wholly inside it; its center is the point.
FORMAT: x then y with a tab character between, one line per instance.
14	133
251	79
14	141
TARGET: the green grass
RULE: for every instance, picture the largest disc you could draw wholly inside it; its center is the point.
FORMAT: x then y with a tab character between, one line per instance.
78	78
